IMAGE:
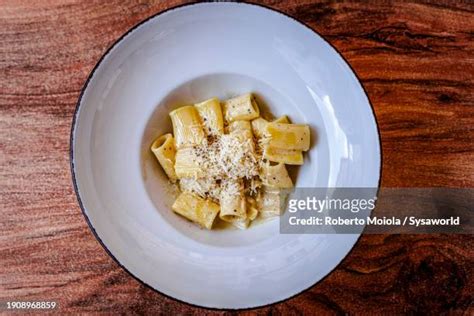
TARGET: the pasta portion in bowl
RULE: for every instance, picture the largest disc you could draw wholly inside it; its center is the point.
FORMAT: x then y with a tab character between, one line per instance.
228	161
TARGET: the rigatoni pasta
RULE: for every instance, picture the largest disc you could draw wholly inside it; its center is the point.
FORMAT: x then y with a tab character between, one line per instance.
288	136
232	201
165	151
259	127
275	176
197	209
269	203
211	114
187	164
229	162
187	126
252	208
289	157
243	107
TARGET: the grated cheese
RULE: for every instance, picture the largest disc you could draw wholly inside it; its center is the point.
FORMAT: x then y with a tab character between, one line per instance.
226	158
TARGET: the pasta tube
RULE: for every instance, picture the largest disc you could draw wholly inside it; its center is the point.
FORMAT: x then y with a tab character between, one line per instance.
187	164
196	209
252	208
211	114
269	203
243	107
275	176
165	151
203	187
288	136
243	131
187	127
289	157
232	200
259	127
240	126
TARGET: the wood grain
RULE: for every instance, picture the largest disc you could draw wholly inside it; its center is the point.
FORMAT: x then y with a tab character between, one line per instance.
416	61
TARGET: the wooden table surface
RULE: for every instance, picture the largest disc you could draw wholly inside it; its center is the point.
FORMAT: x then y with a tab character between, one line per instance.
416	61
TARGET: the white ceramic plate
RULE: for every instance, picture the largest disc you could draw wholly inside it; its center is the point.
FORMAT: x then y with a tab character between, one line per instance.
188	54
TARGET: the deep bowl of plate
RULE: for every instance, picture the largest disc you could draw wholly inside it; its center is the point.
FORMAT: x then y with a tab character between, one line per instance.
188	54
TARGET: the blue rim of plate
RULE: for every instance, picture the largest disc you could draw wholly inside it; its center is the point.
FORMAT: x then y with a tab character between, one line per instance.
71	149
